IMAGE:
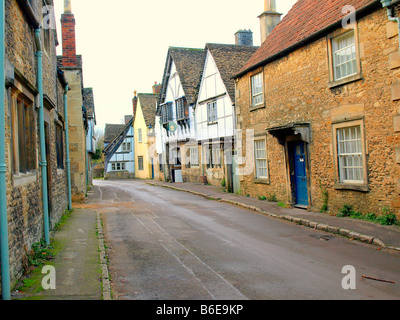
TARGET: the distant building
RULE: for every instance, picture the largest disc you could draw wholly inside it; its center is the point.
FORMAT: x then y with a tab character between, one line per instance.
120	151
81	111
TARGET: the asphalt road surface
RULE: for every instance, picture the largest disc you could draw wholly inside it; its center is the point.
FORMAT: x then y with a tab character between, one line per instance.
169	245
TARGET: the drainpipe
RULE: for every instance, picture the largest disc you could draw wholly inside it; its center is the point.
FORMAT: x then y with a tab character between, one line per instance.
388	4
43	162
4	246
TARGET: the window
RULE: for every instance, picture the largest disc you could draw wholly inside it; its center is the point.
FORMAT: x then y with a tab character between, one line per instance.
213	155
192	157
161	162
350	155
344	55
59	147
260	156
126	146
140	163
182	110
118	166
140	137
24	134
166	113
212	112
257	95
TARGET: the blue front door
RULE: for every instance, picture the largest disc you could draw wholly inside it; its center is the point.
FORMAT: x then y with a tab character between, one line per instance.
300	175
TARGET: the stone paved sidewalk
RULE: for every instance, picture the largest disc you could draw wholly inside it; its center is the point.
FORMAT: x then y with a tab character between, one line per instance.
365	231
78	262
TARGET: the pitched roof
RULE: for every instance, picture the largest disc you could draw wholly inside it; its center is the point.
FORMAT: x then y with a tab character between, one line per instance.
88	102
306	19
189	64
111	131
115	143
230	59
148	103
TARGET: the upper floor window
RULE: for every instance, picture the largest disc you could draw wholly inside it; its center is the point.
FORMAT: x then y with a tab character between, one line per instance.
182	109
257	95
140	135
126	146
344	55
166	113
212	112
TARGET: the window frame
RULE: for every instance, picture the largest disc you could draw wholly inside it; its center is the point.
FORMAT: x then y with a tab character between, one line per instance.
353	184
29	153
140	135
256	177
333	82
59	142
212	112
140	163
254	105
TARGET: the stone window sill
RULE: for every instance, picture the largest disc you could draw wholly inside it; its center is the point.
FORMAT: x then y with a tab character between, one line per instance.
351	186
254	108
344	81
21	179
261	181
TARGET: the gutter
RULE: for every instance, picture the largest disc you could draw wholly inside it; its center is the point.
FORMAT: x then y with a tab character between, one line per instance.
4	244
389	5
65	85
43	161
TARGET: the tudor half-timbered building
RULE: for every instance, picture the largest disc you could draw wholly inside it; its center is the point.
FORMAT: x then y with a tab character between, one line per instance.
178	96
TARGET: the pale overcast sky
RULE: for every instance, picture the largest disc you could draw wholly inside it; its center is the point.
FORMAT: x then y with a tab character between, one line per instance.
124	43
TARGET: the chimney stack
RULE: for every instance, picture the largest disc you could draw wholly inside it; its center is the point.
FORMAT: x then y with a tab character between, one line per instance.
68	36
156	88
134	103
244	38
269	19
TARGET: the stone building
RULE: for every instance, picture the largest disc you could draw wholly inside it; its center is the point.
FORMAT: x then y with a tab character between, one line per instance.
28	205
81	120
319	106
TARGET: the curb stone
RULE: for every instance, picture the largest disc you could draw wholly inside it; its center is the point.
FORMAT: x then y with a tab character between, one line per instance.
307	223
103	261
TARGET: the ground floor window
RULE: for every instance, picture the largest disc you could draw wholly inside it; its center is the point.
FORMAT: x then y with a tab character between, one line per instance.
260	159
350	153
192	157
24	129
140	163
212	154
59	146
118	166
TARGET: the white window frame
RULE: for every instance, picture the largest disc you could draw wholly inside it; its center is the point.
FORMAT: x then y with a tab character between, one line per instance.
118	166
140	135
140	163
212	112
194	156
344	55
344	180
126	147
260	155
257	89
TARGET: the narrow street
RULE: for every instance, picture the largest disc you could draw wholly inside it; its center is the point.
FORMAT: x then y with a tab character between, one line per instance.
171	245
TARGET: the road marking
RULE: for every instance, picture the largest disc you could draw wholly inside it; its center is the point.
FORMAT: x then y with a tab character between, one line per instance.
202	262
